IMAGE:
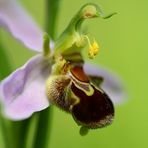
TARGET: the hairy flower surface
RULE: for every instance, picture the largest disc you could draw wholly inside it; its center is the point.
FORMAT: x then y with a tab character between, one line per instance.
61	77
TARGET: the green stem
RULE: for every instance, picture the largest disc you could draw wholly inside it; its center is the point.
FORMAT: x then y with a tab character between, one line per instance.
42	136
4	71
5	132
52	9
20	128
5	67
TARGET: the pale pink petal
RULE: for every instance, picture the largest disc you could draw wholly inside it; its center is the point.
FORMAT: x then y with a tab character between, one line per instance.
23	92
112	85
15	19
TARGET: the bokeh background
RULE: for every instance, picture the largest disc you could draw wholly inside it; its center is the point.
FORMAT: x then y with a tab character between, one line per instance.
124	49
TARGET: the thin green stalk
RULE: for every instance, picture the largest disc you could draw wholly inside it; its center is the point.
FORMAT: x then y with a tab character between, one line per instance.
20	128
52	9
5	133
42	136
5	69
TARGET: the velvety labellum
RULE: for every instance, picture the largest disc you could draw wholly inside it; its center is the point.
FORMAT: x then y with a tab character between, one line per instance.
74	92
92	111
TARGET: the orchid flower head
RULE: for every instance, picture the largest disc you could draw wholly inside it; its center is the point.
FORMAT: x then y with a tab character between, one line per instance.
61	77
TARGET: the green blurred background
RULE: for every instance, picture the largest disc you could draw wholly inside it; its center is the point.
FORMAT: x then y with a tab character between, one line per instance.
123	42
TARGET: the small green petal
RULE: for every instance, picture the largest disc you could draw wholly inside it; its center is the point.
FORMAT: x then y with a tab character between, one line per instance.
46	48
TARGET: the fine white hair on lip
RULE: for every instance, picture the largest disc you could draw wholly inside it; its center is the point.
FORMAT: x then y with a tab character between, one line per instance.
16	20
23	92
112	85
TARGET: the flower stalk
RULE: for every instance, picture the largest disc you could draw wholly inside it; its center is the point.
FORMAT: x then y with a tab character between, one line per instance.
5	129
52	9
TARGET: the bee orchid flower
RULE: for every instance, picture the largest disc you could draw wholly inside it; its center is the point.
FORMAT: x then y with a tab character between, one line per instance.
58	75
